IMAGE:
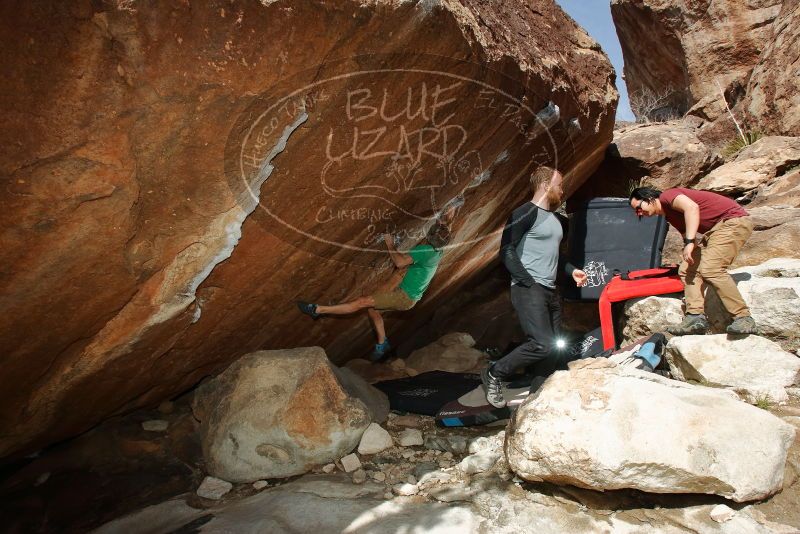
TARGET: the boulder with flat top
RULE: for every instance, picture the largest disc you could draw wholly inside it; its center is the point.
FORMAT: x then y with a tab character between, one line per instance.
756	368
604	427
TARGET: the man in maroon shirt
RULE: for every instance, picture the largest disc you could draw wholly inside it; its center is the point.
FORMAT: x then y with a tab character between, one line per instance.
725	226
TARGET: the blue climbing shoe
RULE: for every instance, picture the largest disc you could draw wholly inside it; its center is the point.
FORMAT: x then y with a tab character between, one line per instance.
308	309
381	351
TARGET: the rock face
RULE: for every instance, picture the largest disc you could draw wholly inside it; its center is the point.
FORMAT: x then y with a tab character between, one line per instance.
648	315
772	100
783	193
776	234
276	414
681	56
603	427
377	372
758	165
177	175
663	155
681	49
754	367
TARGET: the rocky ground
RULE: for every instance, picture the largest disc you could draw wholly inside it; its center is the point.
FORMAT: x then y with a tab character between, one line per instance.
430	479
316	449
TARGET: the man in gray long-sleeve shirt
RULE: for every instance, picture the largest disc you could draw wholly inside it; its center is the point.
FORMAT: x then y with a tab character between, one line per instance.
529	251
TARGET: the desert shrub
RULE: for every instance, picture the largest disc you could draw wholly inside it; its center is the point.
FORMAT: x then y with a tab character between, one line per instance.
739	142
655	106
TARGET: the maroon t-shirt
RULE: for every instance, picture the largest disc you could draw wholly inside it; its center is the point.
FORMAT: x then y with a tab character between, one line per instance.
713	208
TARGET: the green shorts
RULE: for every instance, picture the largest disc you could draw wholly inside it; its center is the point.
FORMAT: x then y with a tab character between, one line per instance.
393	300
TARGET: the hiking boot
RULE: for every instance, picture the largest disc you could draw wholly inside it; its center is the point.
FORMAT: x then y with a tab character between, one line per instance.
381	351
494	389
691	325
308	309
742	326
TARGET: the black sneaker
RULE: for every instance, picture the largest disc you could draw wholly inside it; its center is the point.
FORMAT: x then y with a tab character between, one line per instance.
494	389
742	326
493	353
308	309
691	325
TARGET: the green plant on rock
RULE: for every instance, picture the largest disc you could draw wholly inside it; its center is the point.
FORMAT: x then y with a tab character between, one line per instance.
738	143
763	402
744	139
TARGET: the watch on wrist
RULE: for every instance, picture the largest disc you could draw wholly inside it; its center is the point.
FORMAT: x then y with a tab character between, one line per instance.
687	241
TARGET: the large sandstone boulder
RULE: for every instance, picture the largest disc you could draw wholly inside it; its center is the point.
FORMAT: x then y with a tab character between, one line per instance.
664	155
772	101
772	291
682	49
276	414
375	400
776	234
176	175
453	352
760	164
753	366
603	427
377	372
781	193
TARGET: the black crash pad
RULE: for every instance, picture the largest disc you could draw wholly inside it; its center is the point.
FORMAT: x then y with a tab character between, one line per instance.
427	392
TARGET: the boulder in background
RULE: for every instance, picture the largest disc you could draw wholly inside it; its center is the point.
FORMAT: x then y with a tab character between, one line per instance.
452	352
755	367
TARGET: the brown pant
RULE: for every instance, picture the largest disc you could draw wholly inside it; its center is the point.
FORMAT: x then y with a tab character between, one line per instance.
712	257
396	300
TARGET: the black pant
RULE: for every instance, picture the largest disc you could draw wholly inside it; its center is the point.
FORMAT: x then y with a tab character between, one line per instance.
539	311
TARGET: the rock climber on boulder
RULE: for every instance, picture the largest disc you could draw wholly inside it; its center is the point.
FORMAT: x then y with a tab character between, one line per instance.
420	264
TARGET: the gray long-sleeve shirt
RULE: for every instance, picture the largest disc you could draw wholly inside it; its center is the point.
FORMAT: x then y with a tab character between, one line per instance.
529	246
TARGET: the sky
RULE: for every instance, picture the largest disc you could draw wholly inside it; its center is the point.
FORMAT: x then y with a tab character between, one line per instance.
595	17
